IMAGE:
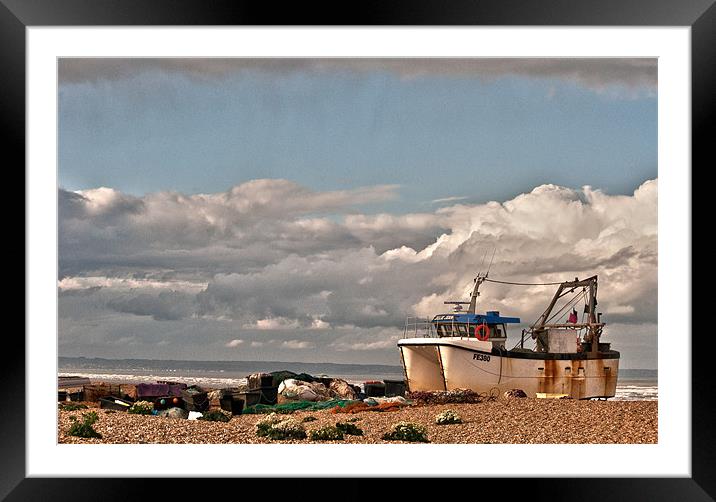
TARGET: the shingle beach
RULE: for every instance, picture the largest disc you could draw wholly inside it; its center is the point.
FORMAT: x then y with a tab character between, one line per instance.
524	420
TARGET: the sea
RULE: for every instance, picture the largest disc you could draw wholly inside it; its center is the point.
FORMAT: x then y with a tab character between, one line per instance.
633	384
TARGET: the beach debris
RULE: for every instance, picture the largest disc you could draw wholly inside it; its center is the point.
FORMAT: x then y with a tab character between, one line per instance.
194	415
232	404
84	428
128	391
71	394
341	389
215	397
215	416
514	393
195	398
326	433
151	391
260	380
94	392
114	403
165	402
174	413
292	389
451	396
550	395
374	388
407	431
141	408
394	388
447	417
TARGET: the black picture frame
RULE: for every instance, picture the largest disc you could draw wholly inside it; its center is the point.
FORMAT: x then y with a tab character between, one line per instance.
700	15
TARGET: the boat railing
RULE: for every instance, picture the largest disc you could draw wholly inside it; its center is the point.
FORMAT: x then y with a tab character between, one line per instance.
418	327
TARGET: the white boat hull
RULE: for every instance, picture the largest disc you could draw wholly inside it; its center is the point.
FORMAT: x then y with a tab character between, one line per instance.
467	363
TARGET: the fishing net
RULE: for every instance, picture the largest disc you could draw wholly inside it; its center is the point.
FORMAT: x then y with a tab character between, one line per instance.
287	408
280	376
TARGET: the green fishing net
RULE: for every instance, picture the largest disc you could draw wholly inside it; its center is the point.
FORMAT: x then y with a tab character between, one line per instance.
286	408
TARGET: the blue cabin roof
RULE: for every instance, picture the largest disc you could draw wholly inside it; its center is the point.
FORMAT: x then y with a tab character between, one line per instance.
487	318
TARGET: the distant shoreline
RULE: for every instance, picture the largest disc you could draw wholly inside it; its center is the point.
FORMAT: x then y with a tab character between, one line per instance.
97	363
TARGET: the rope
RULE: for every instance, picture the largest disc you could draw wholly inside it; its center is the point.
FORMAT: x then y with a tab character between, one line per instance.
526	283
573	301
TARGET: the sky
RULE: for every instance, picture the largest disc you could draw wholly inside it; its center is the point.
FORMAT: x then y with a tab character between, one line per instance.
300	209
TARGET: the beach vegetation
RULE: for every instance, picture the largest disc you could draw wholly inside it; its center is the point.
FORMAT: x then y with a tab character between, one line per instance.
141	408
448	417
84	427
275	426
327	433
263	425
215	416
287	429
309	419
407	431
349	428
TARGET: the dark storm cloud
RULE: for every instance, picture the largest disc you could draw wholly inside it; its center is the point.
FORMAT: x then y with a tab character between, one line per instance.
595	73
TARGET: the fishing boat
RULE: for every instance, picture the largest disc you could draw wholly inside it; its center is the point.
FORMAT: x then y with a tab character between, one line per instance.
468	350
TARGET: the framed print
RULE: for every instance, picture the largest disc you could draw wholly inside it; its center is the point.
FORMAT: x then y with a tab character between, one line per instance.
231	213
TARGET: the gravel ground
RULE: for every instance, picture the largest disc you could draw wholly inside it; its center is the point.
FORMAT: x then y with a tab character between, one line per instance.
504	421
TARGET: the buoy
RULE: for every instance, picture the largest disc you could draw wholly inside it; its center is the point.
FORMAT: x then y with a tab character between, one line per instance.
482	332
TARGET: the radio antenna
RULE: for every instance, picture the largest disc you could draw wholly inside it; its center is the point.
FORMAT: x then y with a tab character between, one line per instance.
490	266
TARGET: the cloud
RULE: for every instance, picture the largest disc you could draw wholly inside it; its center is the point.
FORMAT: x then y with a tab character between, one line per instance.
169	231
234	343
447	199
594	73
297	344
272	258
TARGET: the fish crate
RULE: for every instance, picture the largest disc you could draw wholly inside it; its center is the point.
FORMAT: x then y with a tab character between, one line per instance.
231	404
249	398
259	380
76	395
394	388
269	395
94	392
374	389
195	399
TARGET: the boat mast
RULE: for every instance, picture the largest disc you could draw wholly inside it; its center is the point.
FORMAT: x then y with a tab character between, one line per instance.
475	293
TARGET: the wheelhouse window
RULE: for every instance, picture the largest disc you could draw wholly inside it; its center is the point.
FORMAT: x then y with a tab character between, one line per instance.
461	330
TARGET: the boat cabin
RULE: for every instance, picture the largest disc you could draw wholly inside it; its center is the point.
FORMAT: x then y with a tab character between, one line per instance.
490	326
